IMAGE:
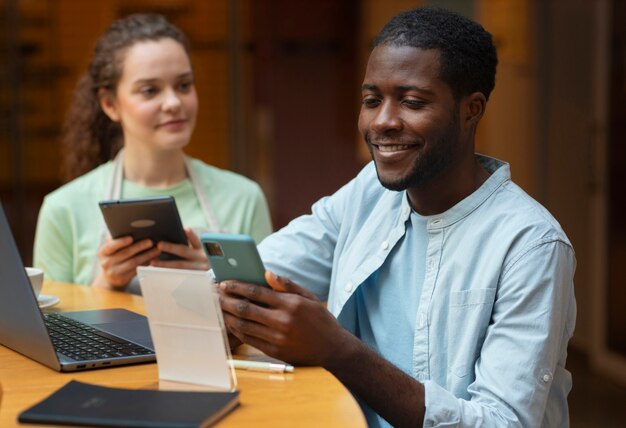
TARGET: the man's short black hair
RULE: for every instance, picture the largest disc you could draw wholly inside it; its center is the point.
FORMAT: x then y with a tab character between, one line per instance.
468	57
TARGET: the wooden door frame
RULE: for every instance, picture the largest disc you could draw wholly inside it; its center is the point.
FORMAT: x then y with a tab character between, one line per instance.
603	359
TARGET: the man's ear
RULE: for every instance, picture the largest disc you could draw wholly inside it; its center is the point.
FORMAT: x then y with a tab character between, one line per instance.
108	105
473	109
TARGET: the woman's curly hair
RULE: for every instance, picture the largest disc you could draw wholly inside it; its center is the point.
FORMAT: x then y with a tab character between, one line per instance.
89	137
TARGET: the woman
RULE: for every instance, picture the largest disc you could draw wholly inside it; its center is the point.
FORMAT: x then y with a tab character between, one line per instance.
133	113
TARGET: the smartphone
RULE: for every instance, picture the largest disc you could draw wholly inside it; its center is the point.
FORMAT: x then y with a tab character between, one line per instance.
155	218
234	256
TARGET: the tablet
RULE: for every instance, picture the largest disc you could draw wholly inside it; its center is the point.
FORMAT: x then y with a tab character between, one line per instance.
154	218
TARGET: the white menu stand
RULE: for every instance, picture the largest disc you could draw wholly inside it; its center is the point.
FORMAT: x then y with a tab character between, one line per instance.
187	327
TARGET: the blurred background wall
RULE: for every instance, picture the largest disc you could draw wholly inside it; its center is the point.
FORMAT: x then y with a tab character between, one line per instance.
278	83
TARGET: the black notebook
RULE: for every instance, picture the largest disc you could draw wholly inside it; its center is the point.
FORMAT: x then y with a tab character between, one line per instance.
79	403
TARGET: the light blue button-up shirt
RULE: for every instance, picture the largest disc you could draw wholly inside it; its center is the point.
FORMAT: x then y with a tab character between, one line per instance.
496	309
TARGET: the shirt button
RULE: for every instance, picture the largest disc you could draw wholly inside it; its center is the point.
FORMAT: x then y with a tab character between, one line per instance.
349	286
547	377
422	321
421	376
405	210
384	245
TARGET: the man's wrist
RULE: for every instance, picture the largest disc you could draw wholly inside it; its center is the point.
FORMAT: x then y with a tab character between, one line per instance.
344	352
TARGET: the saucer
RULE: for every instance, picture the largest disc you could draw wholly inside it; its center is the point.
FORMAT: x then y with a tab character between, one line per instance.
45	300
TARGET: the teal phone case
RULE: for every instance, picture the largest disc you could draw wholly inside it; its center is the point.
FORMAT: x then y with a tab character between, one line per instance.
234	256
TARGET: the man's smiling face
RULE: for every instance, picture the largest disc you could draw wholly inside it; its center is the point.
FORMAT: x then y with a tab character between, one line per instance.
409	118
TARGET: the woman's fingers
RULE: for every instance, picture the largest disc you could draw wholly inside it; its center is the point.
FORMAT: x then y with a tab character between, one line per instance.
194	241
119	258
192	256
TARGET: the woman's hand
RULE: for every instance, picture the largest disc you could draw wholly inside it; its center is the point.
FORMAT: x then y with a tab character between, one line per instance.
119	259
192	255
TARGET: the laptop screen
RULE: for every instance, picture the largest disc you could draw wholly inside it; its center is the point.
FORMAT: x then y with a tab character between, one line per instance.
21	324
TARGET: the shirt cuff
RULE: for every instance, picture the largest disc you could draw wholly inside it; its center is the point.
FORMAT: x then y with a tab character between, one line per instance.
442	408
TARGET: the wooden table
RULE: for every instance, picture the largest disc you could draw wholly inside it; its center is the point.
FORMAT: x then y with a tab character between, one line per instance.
309	397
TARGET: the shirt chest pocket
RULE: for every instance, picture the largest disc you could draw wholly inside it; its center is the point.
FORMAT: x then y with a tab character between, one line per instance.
469	315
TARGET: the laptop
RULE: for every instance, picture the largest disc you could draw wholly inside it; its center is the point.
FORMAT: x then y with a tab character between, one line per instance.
64	341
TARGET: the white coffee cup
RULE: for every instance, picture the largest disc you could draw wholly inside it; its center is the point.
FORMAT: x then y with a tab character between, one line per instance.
35	275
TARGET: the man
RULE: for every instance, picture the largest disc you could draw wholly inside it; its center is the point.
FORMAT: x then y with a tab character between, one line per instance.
450	290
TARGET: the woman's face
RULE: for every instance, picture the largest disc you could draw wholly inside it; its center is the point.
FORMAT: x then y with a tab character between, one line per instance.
155	101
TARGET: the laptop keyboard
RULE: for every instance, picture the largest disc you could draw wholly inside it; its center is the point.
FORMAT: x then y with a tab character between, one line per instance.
80	341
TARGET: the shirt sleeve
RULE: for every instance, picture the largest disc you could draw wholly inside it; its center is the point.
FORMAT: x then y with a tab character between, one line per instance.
520	367
53	243
304	250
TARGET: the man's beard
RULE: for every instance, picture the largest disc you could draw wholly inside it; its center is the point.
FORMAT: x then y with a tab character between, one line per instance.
434	159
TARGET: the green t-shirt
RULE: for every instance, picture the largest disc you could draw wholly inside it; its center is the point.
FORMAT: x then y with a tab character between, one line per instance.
70	223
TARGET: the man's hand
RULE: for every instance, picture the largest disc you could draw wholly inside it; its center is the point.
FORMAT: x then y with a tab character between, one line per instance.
119	259
290	323
285	322
192	255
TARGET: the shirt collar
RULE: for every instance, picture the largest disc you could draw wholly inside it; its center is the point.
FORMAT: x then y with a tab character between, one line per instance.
500	173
